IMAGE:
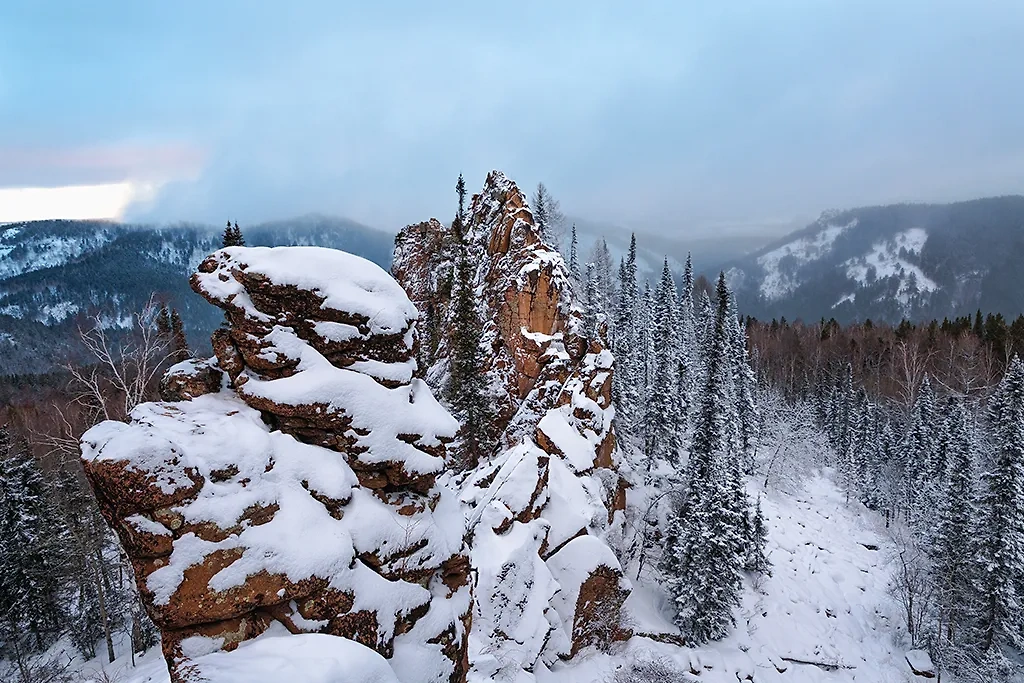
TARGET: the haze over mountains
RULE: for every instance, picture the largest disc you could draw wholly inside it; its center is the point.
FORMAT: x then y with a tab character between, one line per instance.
915	261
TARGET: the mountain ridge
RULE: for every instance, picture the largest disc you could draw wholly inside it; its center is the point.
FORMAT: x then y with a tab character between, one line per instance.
909	260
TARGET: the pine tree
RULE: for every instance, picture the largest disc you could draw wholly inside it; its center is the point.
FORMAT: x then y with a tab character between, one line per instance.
179	343
756	559
663	404
28	559
591	305
702	560
952	543
574	266
232	236
920	453
625	344
467	391
1001	532
460	191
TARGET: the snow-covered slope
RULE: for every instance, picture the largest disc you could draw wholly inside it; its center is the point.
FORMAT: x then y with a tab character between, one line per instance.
824	614
917	261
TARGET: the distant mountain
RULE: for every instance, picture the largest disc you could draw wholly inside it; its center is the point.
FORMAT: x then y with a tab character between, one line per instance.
918	261
708	249
54	275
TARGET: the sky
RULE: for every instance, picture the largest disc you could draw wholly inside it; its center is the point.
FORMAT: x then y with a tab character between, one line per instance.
680	117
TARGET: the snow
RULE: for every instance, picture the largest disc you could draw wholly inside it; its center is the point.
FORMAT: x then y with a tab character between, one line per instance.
379	415
348	284
309	657
920	662
571	566
217	431
778	283
11	232
885	258
826	601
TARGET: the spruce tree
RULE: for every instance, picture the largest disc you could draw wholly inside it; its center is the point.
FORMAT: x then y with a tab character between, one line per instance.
460	191
232	236
574	266
467	391
625	344
28	543
688	351
663	404
952	544
179	343
919	453
701	561
756	558
1000	553
591	305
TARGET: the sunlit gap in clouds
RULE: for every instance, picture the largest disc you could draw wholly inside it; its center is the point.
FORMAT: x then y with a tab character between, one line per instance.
103	201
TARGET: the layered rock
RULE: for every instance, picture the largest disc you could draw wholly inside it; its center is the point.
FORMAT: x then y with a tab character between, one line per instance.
552	485
291	482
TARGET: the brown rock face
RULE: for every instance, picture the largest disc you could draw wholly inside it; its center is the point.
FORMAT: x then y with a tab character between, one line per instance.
292	480
557	445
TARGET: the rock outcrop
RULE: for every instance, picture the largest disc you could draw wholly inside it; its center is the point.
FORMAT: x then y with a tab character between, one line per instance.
291	481
551	488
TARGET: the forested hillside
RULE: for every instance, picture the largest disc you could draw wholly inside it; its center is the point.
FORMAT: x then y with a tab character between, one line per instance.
885	263
55	276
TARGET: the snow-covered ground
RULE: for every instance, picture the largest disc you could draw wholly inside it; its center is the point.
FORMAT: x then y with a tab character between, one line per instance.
824	615
885	258
779	282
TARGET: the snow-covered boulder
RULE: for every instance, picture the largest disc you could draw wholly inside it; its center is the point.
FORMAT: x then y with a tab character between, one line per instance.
921	663
302	495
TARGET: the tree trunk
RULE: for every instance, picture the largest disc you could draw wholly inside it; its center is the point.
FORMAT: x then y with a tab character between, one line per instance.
102	601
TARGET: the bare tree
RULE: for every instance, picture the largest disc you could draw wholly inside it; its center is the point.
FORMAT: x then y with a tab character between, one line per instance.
125	371
911	585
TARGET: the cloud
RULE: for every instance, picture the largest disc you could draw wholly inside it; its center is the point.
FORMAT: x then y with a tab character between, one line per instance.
107	201
22	166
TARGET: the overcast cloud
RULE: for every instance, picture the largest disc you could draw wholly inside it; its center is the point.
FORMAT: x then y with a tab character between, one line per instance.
672	116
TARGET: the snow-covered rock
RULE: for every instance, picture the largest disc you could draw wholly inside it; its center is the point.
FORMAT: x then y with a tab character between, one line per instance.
302	495
552	486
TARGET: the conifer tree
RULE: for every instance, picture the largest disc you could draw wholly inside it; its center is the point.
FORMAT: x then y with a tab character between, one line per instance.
1000	553
28	559
467	391
460	191
688	351
952	543
920	452
574	266
179	343
701	562
232	236
663	404
756	558
625	345
592	305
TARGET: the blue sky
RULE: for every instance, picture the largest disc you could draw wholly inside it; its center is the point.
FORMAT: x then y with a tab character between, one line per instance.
676	116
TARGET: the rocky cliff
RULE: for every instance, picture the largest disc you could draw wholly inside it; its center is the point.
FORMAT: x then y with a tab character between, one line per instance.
292	480
545	509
